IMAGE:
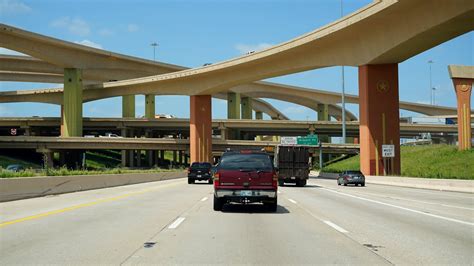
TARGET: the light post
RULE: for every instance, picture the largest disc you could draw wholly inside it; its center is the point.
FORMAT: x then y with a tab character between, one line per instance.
154	44
430	62
434	95
343	100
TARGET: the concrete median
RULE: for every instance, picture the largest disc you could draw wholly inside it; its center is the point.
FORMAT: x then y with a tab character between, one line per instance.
30	187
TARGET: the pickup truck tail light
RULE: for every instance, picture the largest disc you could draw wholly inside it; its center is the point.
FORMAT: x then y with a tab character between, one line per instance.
216	179
189	170
275	180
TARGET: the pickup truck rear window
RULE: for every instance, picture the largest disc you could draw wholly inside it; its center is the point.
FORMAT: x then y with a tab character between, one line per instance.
246	161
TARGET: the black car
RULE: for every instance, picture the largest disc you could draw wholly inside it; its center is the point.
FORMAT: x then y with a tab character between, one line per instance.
351	177
199	171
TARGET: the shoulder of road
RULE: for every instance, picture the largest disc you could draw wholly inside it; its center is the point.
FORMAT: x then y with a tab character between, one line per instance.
454	185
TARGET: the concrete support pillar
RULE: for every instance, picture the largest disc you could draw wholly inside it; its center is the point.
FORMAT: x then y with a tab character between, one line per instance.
149	153
162	156
180	157
71	110
379	118
186	158
323	115
246	107
223	133
48	158
175	157
200	139
463	89
150	106
128	106
125	156
259	115
138	154
233	105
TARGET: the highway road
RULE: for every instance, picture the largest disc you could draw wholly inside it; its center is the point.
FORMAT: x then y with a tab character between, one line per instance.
171	222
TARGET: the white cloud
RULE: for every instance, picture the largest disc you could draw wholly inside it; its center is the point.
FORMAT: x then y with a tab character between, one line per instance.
245	48
9	52
13	7
90	44
294	110
75	26
106	32
132	27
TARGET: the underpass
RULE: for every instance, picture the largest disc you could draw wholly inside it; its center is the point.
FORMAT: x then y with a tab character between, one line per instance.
171	222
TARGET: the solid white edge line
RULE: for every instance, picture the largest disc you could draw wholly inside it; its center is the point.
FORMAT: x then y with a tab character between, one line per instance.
176	223
293	201
402	208
204	199
337	227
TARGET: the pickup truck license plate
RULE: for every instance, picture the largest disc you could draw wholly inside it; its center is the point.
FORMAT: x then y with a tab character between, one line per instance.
245	193
199	175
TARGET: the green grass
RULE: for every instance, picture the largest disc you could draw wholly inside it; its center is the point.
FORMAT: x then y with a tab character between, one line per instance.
433	161
66	172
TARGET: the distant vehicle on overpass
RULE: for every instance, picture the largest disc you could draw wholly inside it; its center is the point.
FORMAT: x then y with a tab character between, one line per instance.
110	135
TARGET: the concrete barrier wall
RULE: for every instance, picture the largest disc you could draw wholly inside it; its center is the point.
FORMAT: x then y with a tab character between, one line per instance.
456	185
29	187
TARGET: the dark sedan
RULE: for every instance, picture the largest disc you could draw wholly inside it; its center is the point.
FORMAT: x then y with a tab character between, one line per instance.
199	171
351	177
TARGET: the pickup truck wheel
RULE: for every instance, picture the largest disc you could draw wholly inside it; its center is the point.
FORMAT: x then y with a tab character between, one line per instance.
218	203
345	183
362	185
303	183
190	181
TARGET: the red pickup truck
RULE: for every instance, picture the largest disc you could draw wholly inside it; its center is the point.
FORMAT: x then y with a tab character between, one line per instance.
245	177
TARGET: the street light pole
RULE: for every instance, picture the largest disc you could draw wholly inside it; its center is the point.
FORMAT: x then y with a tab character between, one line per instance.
430	62
154	44
343	100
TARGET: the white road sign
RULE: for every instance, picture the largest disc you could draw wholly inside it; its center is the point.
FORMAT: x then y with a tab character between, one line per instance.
289	140
388	151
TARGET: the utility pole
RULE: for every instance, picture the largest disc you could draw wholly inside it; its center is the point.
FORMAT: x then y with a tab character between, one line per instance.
430	62
154	44
343	100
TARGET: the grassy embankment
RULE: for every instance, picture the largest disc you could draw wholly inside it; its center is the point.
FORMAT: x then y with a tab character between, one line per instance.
97	163
434	161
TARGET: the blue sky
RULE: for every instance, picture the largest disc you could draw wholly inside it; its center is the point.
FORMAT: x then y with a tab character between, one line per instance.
194	32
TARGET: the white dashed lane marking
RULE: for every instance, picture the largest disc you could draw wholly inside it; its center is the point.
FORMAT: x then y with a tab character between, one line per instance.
293	201
335	226
176	223
204	199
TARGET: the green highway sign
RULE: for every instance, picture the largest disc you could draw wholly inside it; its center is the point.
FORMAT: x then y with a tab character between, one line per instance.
308	140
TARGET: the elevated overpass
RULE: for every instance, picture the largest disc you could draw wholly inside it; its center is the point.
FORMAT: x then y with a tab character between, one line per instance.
359	39
252	127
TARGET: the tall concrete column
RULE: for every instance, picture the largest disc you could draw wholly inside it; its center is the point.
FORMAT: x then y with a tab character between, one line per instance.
128	106
379	118
200	139
233	105
258	115
71	115
150	106
180	157
323	115
246	107
463	89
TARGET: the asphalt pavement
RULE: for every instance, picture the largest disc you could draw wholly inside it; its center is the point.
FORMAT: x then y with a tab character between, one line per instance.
171	222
